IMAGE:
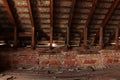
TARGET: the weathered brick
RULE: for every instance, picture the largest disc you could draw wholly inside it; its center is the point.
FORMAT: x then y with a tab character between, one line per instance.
54	62
109	61
15	62
116	61
79	62
69	62
44	62
90	61
71	58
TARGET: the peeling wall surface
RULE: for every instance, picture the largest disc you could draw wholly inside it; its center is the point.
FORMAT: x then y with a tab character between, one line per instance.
70	59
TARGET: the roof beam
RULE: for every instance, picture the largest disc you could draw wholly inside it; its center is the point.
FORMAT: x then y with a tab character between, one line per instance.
32	23
105	21
69	23
92	10
89	20
110	12
12	20
51	23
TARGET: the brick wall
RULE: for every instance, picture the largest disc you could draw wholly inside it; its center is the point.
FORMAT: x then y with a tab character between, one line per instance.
70	59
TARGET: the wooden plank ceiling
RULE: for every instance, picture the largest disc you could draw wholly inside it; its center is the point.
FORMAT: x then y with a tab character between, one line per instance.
56	23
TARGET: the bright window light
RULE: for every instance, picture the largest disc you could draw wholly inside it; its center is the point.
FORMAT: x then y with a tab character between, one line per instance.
2	43
53	44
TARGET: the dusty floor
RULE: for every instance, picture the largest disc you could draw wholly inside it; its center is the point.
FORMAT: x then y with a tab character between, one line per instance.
111	73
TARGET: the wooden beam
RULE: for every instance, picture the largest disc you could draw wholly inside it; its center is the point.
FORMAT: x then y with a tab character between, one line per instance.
117	37
101	37
51	23
12	20
105	21
69	23
92	10
110	12
85	36
32	23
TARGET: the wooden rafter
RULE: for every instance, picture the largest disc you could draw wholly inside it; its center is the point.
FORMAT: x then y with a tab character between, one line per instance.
110	12
105	21
89	20
69	22
32	23
12	20
51	23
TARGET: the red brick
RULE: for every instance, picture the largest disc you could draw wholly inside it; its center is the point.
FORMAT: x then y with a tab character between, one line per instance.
71	56
37	62
69	62
90	61
79	62
109	60
15	62
45	62
116	60
54	62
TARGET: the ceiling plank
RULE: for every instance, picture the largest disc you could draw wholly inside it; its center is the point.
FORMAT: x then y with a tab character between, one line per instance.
92	10
12	20
69	23
105	21
51	23
32	23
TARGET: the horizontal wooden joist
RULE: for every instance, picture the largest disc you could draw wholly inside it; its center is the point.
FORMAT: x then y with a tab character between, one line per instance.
39	6
65	7
106	1
24	34
22	12
60	12
40	13
20	7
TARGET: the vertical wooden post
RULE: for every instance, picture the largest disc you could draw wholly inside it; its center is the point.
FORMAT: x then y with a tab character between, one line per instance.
15	36
12	20
51	23
117	37
33	38
85	36
92	10
101	38
106	19
32	23
69	23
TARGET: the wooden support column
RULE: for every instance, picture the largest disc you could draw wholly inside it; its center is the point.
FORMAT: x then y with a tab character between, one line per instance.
85	36
106	19
51	23
69	23
88	21
12	20
32	23
117	37
101	38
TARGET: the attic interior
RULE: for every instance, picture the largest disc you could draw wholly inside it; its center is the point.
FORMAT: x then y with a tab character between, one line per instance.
59	39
